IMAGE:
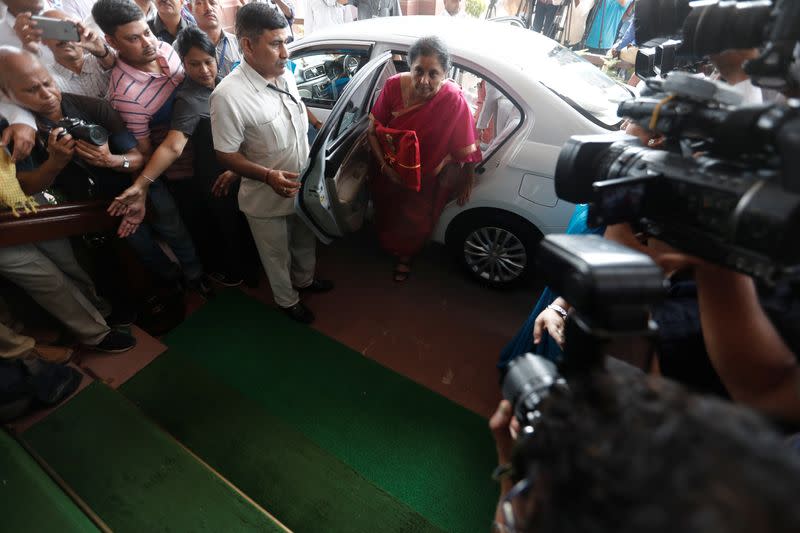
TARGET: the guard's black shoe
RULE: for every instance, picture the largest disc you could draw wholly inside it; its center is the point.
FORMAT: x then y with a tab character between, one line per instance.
299	313
318	285
115	342
201	286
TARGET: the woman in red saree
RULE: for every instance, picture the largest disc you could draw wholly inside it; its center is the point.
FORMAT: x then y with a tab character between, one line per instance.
425	102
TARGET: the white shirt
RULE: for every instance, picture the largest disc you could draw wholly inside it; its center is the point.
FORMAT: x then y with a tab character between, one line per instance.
8	37
268	127
576	21
750	93
81	8
325	13
11	112
92	81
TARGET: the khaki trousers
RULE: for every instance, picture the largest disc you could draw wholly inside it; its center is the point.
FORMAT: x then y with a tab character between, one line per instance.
287	248
50	274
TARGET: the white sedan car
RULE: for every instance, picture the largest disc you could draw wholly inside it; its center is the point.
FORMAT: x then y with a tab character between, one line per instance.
529	95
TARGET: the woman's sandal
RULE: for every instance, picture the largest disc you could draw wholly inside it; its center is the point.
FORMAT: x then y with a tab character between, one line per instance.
401	271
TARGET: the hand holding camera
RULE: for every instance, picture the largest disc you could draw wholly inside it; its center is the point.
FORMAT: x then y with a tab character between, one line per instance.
60	146
92	41
94	155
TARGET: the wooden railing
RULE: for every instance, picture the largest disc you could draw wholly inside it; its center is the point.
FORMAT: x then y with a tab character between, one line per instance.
56	222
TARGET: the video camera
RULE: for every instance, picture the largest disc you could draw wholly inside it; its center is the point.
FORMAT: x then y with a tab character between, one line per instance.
725	186
698	28
611	289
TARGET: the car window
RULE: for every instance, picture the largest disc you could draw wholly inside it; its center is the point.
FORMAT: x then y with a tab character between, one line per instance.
322	75
356	107
496	115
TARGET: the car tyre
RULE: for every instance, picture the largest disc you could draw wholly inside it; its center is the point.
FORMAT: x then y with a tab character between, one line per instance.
494	247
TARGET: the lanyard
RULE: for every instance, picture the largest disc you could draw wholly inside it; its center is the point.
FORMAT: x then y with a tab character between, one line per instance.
221	60
287	93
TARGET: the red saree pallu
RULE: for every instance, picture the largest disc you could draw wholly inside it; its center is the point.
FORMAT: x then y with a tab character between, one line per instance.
445	137
401	152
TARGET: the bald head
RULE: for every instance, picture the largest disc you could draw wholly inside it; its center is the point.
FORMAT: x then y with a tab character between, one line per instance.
27	82
12	60
60	15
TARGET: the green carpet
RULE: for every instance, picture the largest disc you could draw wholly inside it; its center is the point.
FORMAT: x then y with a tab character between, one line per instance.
304	486
30	500
426	451
132	474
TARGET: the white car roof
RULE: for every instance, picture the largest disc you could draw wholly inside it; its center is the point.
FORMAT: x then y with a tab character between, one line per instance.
472	38
518	56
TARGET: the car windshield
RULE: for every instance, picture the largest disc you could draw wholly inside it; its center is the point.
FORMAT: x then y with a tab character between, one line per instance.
572	78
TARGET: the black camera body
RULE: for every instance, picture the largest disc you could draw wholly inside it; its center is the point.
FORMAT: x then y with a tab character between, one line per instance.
697	29
80	129
725	187
725	184
611	289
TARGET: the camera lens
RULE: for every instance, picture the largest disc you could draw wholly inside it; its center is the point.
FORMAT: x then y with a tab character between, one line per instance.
527	383
716	27
97	135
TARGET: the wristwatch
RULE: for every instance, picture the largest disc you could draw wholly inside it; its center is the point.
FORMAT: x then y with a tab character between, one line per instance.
126	162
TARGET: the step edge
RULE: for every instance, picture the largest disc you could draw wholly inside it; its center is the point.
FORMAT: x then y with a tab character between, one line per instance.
61	483
201	461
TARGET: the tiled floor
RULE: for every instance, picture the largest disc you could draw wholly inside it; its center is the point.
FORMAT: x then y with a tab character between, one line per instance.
438	328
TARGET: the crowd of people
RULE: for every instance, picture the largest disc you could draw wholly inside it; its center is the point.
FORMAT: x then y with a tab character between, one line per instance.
204	136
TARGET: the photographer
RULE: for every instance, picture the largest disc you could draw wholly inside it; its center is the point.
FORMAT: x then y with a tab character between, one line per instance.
752	340
26	82
82	67
634	454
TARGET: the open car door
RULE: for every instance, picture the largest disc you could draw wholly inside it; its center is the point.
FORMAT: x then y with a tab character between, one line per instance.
333	197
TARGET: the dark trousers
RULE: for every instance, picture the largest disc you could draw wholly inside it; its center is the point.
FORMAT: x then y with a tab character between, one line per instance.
216	225
543	18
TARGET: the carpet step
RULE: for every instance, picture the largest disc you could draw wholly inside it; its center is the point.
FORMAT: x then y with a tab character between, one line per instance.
133	474
30	500
309	489
428	454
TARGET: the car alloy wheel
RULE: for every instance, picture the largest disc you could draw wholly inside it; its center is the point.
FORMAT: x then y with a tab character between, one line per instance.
495	255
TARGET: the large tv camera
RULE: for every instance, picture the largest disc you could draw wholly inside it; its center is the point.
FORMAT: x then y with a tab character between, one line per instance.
726	186
675	32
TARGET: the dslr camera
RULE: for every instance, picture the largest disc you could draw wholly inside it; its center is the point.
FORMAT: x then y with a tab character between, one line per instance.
611	289
726	186
80	129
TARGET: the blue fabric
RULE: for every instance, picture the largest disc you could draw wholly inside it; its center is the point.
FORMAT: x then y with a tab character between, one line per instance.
523	341
605	25
630	35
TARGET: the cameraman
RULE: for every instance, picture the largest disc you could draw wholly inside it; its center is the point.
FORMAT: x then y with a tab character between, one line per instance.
25	81
638	454
752	340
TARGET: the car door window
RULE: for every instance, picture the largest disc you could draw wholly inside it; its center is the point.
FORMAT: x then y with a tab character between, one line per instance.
496	116
322	75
